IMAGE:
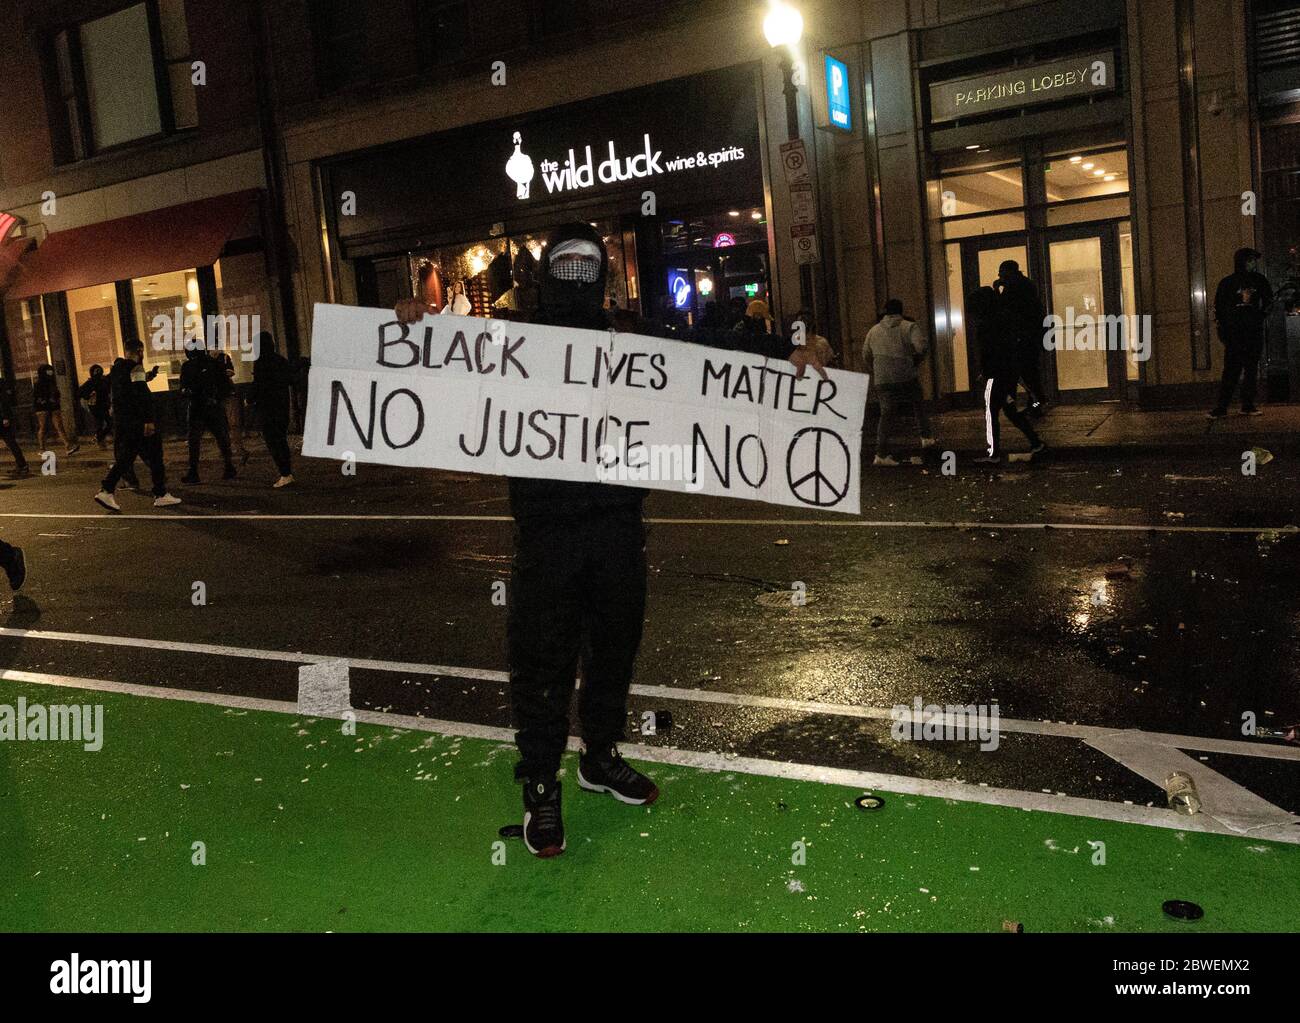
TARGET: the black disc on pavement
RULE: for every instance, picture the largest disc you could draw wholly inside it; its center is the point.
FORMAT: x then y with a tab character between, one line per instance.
1181	910
866	801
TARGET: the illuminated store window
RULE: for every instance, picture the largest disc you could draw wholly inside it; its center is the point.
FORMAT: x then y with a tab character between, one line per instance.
96	336
168	314
244	309
28	342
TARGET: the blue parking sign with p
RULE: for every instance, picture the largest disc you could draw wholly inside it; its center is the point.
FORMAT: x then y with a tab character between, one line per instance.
837	94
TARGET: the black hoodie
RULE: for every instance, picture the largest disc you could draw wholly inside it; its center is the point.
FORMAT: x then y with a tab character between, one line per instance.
571	304
1242	302
132	399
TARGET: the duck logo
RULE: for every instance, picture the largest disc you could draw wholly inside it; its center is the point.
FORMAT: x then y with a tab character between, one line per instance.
520	169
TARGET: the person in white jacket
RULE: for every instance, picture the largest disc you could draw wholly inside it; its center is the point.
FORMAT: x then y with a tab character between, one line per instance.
894	348
457	302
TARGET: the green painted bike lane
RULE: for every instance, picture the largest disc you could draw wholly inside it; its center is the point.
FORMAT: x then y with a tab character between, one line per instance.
305	828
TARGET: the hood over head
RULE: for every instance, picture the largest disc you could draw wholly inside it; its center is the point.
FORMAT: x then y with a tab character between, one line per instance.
571	281
1243	257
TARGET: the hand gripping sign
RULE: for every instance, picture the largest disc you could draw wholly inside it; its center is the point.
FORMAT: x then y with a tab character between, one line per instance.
517	399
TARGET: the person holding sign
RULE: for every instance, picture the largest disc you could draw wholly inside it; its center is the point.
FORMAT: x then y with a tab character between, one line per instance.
578	584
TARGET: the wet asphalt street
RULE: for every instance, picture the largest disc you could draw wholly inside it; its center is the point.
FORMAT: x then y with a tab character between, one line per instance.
1167	624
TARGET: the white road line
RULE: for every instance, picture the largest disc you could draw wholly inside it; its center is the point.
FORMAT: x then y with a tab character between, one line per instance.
1232	805
1093	527
1088	733
862	780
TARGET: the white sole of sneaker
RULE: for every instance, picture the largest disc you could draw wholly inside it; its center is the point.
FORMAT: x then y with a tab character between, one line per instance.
564	842
584	784
106	506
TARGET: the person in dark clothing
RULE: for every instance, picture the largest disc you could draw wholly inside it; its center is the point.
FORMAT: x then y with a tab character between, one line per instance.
1241	306
45	402
9	434
137	429
14	564
204	387
97	394
272	384
578	584
1023	314
996	344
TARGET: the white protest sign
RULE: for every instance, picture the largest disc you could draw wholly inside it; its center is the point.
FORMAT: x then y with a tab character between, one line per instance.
519	399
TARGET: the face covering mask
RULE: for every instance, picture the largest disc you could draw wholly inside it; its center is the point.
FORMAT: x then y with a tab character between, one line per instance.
575	260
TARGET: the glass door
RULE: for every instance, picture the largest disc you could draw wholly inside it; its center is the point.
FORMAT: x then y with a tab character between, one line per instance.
1086	294
980	259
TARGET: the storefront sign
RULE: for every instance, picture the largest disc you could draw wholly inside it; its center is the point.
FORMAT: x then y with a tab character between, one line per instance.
513	399
1085	75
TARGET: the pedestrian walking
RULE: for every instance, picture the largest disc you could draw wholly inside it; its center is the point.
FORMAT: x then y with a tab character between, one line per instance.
9	434
1024	314
203	385
272	384
97	394
892	355
14	563
136	428
996	342
45	402
1241	306
233	407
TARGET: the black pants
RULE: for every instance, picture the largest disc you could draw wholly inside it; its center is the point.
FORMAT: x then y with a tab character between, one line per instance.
131	442
1030	374
1000	398
577	595
103	424
276	434
210	417
1240	362
11	441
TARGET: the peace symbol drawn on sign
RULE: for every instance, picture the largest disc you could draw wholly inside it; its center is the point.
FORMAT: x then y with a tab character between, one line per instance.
828	482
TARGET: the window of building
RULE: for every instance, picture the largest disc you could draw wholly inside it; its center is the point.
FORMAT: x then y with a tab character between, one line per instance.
176	54
94	321
121	78
986	191
28	341
241	294
167	315
443	30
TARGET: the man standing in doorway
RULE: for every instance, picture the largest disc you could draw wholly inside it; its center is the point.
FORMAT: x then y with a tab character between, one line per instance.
1024	314
1241	307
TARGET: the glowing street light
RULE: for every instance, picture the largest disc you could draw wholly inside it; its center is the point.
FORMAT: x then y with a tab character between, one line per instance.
783	25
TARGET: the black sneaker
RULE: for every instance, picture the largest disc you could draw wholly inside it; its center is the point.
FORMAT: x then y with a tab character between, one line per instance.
989	460
607	771
190	479
1250	410
16	569
1217	413
543	825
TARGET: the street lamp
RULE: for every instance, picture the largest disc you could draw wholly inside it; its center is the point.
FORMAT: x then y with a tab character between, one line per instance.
783	27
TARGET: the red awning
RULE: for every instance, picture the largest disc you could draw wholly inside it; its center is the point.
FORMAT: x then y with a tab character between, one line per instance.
176	238
11	250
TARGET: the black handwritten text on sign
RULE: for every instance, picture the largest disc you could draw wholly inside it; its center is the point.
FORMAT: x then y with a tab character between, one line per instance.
516	399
